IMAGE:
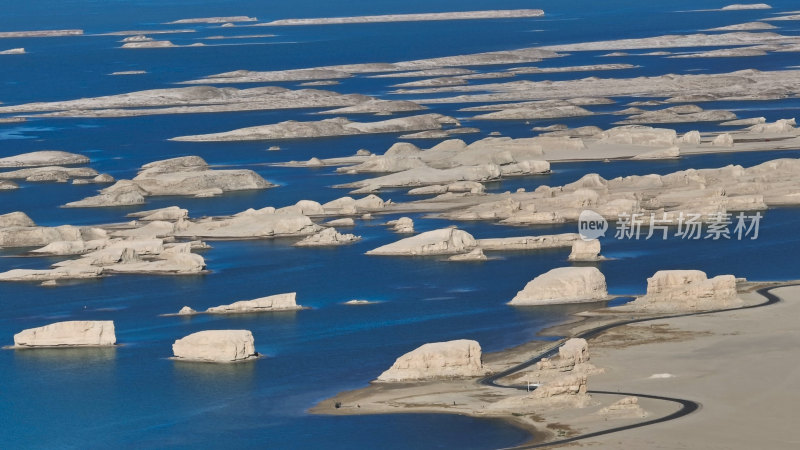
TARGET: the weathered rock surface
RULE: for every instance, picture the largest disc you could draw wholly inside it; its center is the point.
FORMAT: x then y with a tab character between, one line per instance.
339	126
585	250
220	346
79	333
563	285
280	302
686	290
402	225
445	241
451	359
188	175
529	242
328	237
43	158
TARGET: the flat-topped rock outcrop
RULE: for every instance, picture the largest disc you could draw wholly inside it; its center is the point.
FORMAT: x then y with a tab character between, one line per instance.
451	359
279	302
219	346
76	333
564	285
686	290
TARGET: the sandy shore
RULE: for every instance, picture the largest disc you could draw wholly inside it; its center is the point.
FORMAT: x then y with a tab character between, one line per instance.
737	365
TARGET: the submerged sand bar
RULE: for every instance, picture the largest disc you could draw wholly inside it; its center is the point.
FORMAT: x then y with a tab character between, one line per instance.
463	15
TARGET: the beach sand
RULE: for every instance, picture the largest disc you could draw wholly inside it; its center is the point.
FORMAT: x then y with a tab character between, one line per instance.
738	365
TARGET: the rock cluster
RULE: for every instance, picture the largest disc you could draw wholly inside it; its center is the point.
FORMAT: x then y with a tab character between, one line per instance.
686	290
187	175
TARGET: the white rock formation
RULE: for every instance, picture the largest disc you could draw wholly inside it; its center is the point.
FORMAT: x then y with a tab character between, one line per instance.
686	290
474	255
78	333
220	346
280	302
445	241
43	158
585	250
402	225
338	126
188	175
563	285
451	359
328	237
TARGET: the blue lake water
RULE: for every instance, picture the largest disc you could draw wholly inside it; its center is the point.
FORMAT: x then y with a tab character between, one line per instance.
132	396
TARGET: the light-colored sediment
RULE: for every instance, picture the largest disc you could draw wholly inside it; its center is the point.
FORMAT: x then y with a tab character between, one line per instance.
78	333
217	346
339	126
460	15
563	285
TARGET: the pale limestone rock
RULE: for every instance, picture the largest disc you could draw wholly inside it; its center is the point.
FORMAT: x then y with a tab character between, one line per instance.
220	346
16	219
529	242
170	213
327	238
779	126
280	302
639	135
188	175
723	140
345	222
563	285
402	225
474	255
451	359
186	311
68	334
583	250
667	153
250	224
43	158
445	241
691	138
686	290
